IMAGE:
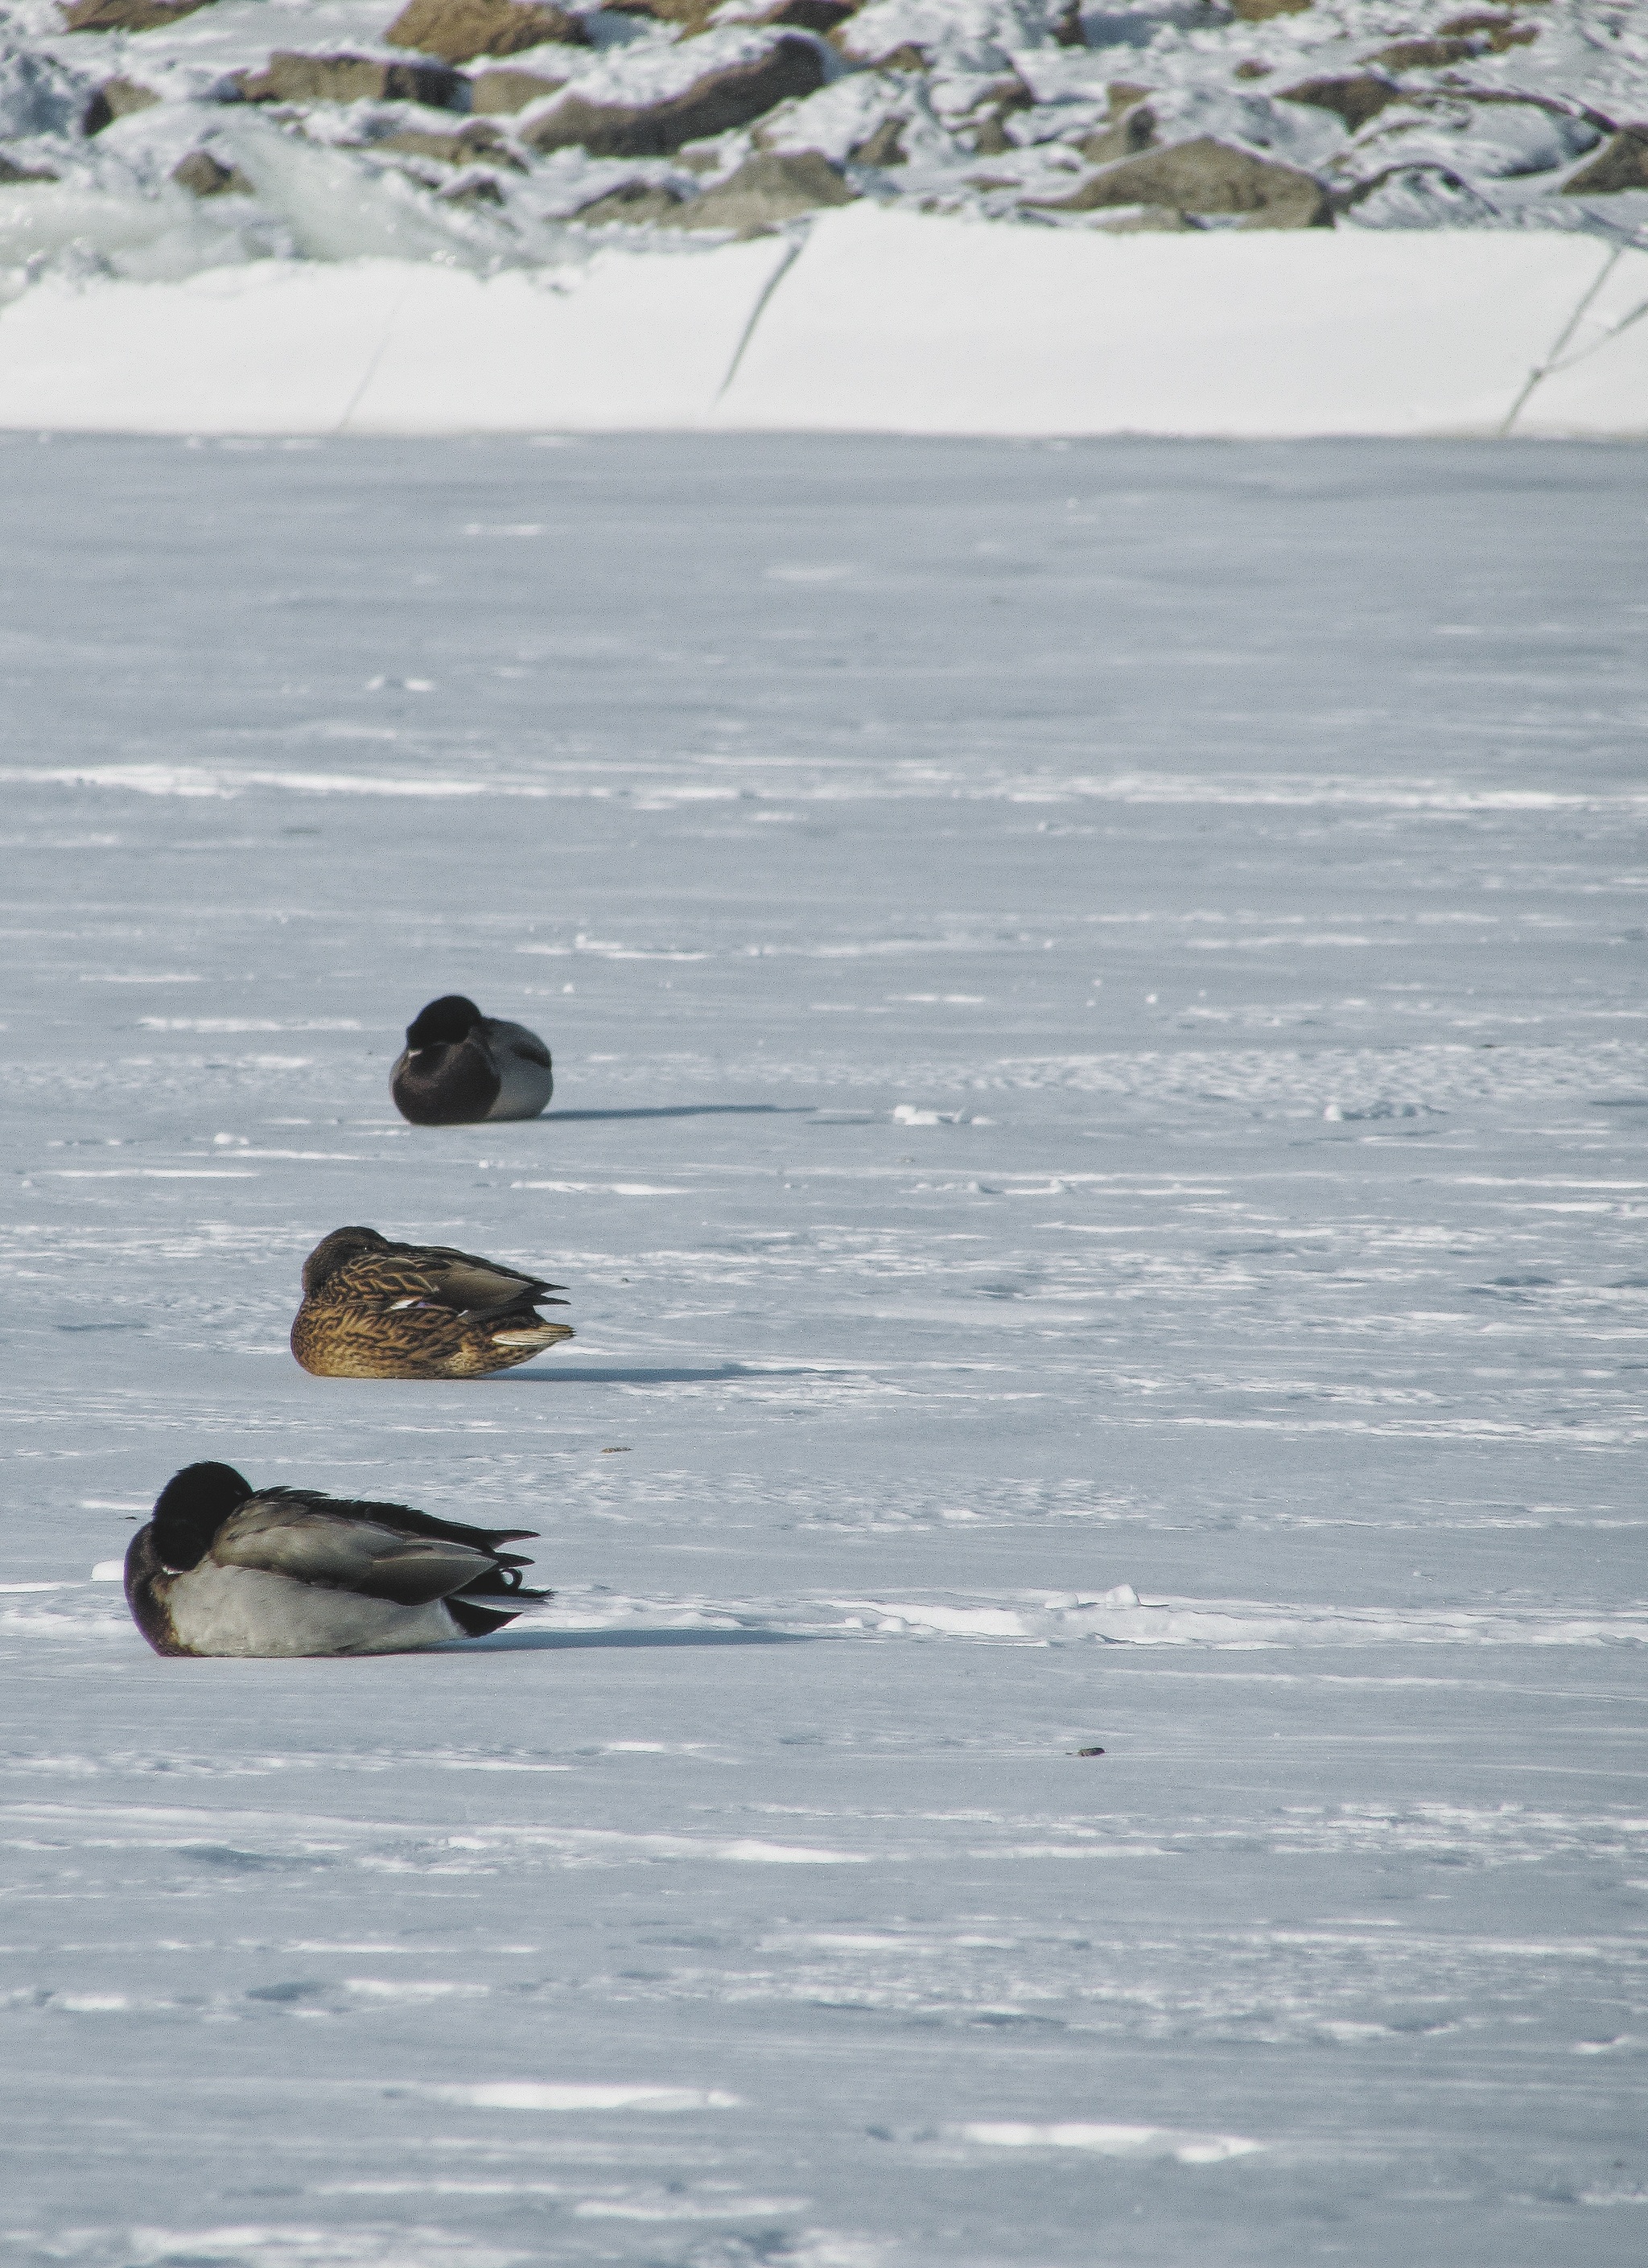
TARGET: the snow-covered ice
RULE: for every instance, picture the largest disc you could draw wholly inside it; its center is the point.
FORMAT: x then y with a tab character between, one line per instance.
1097	996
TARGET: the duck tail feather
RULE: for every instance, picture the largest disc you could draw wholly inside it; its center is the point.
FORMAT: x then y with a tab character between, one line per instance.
477	1621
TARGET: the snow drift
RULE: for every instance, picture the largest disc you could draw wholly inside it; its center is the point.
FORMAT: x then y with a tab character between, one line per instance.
869	321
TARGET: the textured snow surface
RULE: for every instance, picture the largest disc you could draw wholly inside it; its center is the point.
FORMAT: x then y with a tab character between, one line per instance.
1097	996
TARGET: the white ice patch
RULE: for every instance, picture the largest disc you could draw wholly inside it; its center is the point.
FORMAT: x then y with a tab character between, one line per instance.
251	2245
1110	2141
1118	1616
566	2096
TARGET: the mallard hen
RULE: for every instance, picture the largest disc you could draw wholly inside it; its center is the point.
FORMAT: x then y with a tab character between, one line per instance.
459	1067
223	1568
375	1309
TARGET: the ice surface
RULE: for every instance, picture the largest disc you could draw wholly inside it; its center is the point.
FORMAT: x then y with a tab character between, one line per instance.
1099	1041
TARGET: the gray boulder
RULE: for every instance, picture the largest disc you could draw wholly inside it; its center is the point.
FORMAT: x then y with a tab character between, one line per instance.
634	204
1206	176
470	145
884	147
496	93
1355	97
203	175
714	104
1133	131
776	185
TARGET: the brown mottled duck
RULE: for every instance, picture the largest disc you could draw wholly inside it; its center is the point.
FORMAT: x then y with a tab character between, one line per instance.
375	1309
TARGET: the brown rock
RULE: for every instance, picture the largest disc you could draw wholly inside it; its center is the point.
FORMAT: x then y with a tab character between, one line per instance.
991	111
633	205
695	14
459	30
1501	32
1205	176
1356	98
691	15
10	174
810	15
1253	69
117	98
884	147
714	104
496	92
203	175
289	77
483	191
463	148
1121	94
1260	11
1622	164
1133	131
1426	55
127	15
776	185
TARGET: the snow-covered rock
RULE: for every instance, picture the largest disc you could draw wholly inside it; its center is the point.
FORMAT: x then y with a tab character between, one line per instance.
459	30
719	100
1206	176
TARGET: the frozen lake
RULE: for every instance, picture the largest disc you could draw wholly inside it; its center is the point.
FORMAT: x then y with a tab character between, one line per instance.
1097	1002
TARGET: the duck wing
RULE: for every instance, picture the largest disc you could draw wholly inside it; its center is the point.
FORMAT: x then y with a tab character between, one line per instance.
332	1546
411	1275
517	1039
465	1281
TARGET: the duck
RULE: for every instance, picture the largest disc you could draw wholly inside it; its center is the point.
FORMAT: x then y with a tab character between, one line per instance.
375	1309
221	1568
459	1068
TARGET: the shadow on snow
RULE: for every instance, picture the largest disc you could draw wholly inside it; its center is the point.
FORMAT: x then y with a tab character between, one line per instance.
686	1110
567	1641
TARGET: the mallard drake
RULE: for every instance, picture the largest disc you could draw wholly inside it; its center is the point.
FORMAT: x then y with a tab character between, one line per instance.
223	1568
459	1067
373	1309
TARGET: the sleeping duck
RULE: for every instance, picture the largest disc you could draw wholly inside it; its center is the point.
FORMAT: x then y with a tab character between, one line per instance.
373	1309
223	1568
459	1067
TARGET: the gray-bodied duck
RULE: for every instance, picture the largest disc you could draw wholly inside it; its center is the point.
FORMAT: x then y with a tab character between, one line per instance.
375	1309
459	1068
223	1568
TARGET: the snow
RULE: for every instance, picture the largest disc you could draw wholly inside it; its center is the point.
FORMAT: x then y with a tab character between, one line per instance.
344	284
1099	1048
874	321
